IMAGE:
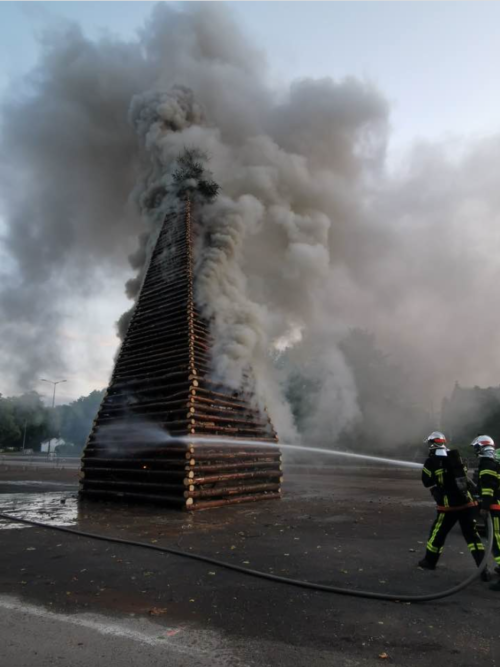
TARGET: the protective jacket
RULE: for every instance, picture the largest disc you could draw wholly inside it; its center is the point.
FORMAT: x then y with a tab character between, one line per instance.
447	477
442	473
489	483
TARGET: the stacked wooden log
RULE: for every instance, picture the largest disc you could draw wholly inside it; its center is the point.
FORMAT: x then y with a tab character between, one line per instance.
161	398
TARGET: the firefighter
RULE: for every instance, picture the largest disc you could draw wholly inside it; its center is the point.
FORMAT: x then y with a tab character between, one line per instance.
489	490
446	476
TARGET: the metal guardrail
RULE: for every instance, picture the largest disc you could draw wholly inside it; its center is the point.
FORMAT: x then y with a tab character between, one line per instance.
33	460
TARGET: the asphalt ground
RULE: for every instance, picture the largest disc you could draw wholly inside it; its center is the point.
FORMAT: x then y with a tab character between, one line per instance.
110	604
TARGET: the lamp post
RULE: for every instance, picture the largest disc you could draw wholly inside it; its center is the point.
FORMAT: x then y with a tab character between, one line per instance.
53	399
25	429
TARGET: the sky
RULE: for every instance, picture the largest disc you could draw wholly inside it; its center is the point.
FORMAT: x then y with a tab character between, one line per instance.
434	62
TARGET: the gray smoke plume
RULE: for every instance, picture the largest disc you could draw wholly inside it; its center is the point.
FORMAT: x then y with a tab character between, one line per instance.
310	236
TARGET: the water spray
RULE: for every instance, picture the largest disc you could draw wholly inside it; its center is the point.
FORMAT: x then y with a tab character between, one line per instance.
301	448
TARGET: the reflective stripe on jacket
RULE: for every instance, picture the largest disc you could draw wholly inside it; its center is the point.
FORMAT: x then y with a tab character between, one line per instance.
437	474
489	482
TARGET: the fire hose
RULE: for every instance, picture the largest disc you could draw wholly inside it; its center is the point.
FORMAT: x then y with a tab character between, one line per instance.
273	577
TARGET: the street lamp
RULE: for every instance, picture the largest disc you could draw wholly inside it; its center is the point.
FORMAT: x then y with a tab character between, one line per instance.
53	397
55	385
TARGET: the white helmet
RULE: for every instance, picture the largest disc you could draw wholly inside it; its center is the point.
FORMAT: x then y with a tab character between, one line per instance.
436	440
483	444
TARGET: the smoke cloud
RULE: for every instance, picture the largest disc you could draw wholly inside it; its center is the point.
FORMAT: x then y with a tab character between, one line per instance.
311	235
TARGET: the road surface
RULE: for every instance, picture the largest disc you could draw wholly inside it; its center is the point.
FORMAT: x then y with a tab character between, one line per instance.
360	528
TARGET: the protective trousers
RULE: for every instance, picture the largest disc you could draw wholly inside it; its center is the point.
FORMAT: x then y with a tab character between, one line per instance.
444	523
495	517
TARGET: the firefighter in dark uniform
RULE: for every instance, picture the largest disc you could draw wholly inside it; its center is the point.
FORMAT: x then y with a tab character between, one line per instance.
445	474
489	490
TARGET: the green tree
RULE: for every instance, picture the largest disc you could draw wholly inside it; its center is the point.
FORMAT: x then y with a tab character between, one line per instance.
75	419
25	413
9	429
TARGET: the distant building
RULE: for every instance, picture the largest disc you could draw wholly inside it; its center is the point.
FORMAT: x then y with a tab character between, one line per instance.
50	445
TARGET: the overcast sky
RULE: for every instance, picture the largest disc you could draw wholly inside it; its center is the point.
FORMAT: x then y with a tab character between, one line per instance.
434	62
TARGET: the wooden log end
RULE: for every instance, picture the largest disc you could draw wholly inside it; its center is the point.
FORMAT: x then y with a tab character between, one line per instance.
209	504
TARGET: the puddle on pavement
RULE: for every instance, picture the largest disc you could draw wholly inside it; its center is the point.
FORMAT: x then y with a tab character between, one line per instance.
44	507
63	509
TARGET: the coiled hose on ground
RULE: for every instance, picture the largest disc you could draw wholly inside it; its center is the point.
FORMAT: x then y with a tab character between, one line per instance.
273	577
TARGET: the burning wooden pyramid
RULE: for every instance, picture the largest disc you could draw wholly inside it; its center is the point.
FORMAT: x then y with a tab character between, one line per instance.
161	391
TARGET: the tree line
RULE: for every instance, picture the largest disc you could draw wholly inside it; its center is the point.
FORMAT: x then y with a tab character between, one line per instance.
25	422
